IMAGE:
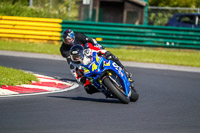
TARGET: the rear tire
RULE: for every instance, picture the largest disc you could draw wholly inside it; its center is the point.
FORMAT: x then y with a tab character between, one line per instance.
109	84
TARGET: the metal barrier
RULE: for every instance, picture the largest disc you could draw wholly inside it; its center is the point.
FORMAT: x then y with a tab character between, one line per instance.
114	35
31	29
111	34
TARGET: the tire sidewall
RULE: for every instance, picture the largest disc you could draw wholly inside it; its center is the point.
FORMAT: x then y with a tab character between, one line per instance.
109	84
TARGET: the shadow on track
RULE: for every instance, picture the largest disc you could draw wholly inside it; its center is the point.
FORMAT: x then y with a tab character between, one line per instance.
89	99
100	100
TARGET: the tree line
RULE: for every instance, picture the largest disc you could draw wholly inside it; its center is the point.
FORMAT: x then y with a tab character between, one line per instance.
175	3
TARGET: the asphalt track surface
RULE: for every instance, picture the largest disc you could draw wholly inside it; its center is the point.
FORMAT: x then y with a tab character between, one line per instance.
169	103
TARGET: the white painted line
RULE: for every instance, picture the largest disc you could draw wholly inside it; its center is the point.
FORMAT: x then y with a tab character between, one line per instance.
51	80
32	55
38	75
7	92
161	66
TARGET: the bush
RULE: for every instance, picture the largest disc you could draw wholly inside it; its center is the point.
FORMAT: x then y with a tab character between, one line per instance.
21	8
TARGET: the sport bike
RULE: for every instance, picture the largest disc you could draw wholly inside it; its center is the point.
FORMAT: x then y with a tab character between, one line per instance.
109	78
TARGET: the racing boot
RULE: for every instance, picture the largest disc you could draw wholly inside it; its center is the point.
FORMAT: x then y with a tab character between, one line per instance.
131	85
90	89
128	75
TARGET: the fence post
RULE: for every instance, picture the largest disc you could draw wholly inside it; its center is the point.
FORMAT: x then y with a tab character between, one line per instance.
90	10
31	3
146	13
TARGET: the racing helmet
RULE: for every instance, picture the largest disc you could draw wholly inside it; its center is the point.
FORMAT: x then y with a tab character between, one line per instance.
76	53
68	37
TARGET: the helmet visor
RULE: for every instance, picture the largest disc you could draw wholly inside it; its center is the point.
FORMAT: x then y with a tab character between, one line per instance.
68	41
76	57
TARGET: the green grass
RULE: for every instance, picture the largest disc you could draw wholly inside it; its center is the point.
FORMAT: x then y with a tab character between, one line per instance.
29	47
10	76
161	56
138	54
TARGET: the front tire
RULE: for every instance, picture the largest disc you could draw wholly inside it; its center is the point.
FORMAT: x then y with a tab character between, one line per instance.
109	84
134	95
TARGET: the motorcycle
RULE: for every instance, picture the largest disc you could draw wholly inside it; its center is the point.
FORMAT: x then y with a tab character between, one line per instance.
109	78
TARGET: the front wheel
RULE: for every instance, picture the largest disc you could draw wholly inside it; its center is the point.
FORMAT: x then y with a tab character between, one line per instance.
109	84
134	95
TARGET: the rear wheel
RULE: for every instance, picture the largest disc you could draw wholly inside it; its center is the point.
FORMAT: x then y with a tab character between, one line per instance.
110	85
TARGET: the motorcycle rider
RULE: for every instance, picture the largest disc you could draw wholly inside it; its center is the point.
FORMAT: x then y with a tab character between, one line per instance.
69	39
77	57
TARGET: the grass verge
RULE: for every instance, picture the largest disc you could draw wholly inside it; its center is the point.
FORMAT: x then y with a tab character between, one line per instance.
138	54
29	47
160	56
10	76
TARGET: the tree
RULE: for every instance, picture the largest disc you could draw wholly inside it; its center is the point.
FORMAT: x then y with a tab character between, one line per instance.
175	3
